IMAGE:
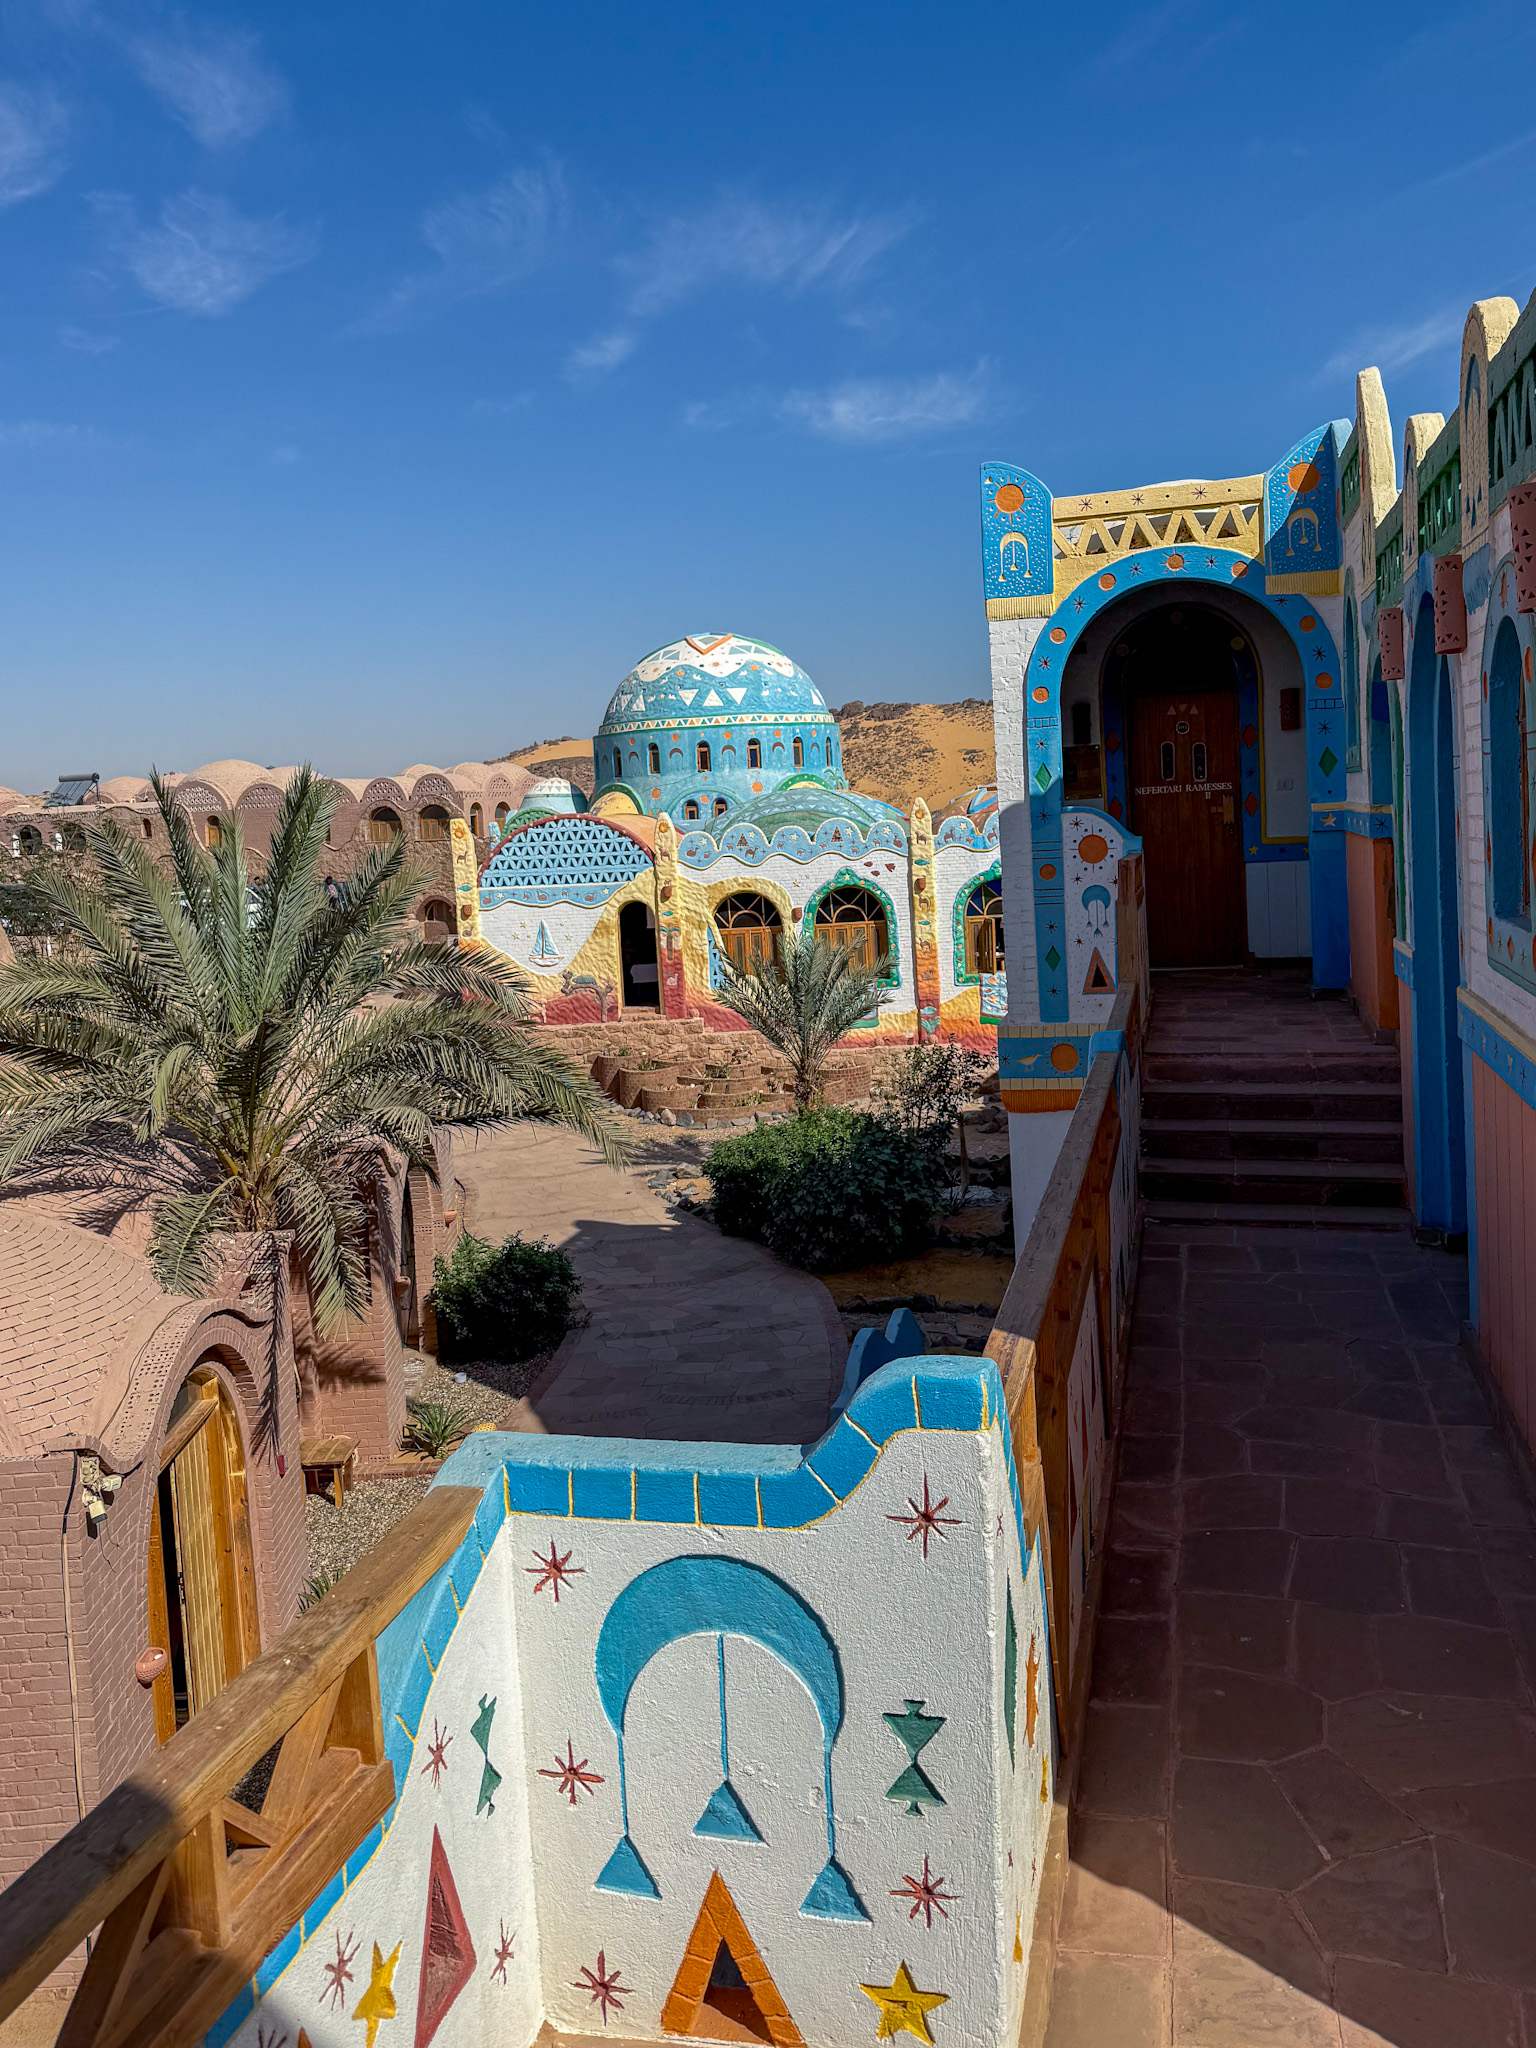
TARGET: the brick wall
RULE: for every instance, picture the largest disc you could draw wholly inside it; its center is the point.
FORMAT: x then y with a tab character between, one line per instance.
37	1770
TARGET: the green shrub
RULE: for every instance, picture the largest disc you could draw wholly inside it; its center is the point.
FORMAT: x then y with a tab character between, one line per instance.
435	1427
502	1303
831	1189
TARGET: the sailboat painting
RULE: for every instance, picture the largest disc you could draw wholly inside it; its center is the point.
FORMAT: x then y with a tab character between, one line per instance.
546	953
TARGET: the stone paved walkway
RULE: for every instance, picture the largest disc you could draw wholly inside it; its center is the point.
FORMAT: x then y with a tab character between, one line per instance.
1307	1812
692	1335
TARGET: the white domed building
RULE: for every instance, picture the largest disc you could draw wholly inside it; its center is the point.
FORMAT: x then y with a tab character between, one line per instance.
720	821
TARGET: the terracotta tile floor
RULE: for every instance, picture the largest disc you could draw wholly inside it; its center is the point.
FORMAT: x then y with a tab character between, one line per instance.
1308	1798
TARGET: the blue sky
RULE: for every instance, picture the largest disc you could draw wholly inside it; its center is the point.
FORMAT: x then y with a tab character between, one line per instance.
378	383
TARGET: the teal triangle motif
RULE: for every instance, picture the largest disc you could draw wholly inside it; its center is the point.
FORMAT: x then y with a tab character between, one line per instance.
727	1817
624	1872
913	1788
832	1896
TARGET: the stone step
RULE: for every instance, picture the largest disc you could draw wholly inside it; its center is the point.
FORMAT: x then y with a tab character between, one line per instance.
1224	1101
1162	1068
1301	1215
1323	1183
1272	1138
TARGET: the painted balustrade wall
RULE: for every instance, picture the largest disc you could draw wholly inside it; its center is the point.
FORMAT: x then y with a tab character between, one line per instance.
668	1698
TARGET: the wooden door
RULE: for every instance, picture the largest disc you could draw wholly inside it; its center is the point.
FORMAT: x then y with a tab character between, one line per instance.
1184	796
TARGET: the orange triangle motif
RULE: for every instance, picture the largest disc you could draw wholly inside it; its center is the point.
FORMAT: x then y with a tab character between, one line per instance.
447	1953
1099	982
723	1991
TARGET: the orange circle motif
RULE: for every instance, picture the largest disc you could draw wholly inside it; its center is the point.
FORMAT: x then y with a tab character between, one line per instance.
1048	872
1308	623
1175	562
1040	693
1324	680
1239	569
1058	634
1106	581
1092	848
757	789
1008	497
1063	1058
1303	477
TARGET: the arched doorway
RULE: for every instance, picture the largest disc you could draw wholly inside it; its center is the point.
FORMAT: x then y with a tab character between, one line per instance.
1439	1128
641	978
749	929
854	920
202	1582
1173	678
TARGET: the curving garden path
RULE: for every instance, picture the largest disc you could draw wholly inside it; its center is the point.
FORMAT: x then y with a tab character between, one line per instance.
692	1336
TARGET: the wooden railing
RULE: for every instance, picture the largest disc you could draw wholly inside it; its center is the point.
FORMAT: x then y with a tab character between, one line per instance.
191	1890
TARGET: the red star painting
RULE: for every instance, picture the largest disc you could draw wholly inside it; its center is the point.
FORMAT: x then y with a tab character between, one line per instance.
437	1755
504	1954
604	1986
926	1894
553	1571
571	1774
927	1521
338	1971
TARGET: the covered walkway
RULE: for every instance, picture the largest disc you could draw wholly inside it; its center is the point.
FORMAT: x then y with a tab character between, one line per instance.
1307	1807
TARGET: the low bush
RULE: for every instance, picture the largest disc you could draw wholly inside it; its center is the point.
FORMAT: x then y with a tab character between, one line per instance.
502	1303
435	1427
832	1189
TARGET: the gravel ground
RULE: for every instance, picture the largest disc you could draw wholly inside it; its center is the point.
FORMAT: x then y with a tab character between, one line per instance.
338	1536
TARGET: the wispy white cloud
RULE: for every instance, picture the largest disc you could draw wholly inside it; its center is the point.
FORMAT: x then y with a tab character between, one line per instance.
84	343
41	434
204	257
32	130
503	408
744	241
485	242
604	352
1392	348
215	81
867	409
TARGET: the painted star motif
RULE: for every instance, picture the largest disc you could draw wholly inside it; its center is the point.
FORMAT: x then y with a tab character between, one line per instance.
504	1954
927	1521
1200	490
903	2008
270	2038
927	1895
604	1986
571	1774
338	1971
553	1571
377	2003
437	1755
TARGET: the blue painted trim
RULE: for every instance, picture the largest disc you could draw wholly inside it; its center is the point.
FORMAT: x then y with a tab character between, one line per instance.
1501	1055
1024	1054
902	1338
1104	1041
1402	962
1361	819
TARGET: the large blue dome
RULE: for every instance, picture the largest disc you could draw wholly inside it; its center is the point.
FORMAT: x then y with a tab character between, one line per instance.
709	722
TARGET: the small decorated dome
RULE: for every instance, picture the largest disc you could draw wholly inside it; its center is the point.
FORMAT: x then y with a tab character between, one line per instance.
713	679
554	794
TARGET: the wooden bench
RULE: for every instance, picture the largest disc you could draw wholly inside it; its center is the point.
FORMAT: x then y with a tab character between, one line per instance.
329	1464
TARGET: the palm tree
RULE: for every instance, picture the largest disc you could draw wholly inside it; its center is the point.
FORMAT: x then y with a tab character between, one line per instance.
233	1054
803	1001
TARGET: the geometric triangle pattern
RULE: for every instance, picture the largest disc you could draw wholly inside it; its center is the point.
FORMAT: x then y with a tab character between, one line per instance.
1099	982
726	1816
722	1990
447	1952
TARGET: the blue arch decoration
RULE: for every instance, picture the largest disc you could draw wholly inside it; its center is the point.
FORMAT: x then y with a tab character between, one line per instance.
1219	569
720	1596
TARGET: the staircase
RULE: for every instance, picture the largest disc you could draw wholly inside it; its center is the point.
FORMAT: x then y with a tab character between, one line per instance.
1264	1104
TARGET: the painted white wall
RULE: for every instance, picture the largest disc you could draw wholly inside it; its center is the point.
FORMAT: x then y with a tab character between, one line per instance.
1279	908
1034	1145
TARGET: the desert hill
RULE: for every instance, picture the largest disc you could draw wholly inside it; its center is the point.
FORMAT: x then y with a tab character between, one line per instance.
894	751
903	751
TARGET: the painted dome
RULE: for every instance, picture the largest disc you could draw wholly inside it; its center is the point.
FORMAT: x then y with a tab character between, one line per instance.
554	793
809	805
713	679
708	723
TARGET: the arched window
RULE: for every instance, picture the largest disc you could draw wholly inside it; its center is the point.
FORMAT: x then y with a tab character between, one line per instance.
434	822
702	755
984	929
1351	688
383	825
149	830
691	811
720	807
31	839
854	920
477	821
749	929
213	832
799	753
1379	752
502	814
1509	808
754	753
436	913
618	764
653	758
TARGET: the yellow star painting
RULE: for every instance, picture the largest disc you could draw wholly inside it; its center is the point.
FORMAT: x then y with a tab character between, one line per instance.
903	2008
377	2003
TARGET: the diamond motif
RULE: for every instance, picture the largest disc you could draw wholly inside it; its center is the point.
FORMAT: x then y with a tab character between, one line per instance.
1042	777
1328	760
1053	959
1250	736
1250	803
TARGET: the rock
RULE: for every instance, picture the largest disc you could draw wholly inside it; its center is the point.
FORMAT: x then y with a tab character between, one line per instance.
669	1116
